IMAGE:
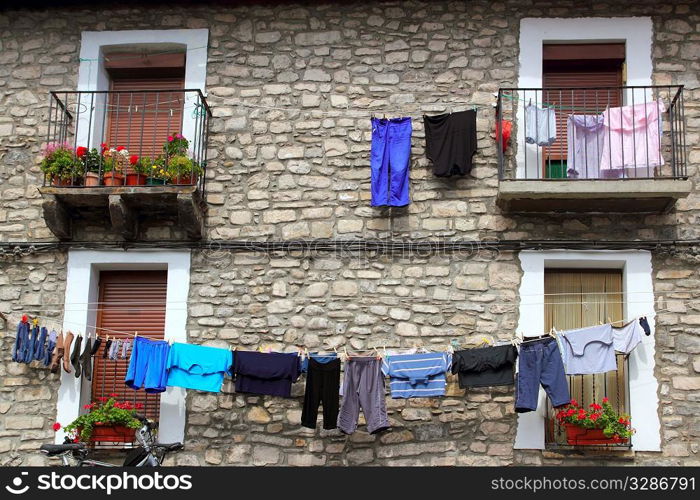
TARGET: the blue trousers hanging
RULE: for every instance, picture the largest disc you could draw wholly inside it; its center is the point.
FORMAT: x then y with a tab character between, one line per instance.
40	345
21	341
389	159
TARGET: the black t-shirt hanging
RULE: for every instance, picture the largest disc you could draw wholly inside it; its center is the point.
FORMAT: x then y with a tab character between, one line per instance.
450	142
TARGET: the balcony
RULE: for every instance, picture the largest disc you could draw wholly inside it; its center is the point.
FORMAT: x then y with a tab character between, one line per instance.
120	158
592	149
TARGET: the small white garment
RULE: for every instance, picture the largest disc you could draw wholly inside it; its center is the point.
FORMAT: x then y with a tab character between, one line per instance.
589	350
627	337
540	125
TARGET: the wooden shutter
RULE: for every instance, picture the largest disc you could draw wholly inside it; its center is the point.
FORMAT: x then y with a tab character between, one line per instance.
142	121
577	298
575	66
129	301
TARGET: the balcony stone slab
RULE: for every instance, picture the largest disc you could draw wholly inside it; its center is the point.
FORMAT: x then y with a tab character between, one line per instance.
591	196
123	208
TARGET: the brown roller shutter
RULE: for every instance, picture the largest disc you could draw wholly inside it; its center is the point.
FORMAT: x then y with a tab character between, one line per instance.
573	67
129	301
142	121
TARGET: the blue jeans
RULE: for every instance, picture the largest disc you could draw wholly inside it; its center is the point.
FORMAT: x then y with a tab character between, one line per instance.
540	363
389	159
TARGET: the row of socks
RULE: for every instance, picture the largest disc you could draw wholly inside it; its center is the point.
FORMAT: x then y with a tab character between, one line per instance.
125	348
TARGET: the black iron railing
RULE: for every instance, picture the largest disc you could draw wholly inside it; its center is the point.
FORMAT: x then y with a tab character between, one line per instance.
591	133
129	138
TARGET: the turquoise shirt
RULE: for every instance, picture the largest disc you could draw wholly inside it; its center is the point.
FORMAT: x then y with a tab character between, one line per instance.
198	367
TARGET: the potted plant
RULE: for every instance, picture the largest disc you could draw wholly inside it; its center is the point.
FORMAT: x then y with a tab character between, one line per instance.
158	174
107	420
137	172
183	170
599	424
61	165
116	162
176	145
92	160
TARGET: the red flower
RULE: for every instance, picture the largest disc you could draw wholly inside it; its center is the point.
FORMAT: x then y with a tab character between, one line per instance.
76	439
104	146
81	151
139	406
605	400
596	406
133	159
102	399
120	148
570	412
621	420
170	138
582	416
595	416
56	426
574	402
88	407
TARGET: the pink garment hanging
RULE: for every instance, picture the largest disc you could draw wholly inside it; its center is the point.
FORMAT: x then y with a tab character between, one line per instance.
631	138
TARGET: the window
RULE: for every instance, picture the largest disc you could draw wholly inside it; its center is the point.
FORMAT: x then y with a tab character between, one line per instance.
140	114
129	301
576	298
572	66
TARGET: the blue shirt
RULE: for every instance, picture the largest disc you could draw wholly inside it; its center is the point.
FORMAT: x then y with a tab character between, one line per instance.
198	367
417	375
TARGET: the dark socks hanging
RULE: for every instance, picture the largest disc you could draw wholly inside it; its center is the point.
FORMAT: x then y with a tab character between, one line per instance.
75	356
96	346
108	345
86	359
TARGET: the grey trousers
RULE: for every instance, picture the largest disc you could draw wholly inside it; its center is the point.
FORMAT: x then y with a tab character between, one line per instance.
363	388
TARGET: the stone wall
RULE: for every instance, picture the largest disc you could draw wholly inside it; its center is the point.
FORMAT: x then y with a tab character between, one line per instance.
301	171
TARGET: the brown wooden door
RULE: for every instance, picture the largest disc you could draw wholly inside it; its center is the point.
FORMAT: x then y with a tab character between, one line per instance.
142	121
129	301
572	67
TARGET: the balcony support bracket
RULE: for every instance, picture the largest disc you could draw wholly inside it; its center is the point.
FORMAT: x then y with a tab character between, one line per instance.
190	215
123	217
57	218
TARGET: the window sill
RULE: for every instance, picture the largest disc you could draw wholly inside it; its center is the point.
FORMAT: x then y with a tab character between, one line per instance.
589	453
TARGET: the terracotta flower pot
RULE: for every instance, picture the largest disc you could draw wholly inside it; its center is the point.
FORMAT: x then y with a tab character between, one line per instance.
134	179
58	181
92	179
579	436
113	179
184	180
112	434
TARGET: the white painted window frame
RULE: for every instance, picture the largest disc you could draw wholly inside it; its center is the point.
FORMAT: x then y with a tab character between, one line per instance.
82	292
635	32
639	300
92	74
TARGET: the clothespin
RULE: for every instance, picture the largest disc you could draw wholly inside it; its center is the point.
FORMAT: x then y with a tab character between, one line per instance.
609	320
136	334
35	322
345	350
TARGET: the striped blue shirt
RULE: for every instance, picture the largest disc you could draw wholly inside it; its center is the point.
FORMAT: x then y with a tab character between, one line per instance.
417	375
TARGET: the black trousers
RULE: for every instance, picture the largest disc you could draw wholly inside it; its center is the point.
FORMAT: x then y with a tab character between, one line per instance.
322	387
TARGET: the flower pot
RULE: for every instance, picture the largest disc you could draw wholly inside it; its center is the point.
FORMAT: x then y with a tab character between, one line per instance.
59	181
152	181
579	436
92	179
112	434
184	180
113	179
134	179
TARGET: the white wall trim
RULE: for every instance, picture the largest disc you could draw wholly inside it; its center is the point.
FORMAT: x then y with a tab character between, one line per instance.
93	76
636	32
639	301
82	283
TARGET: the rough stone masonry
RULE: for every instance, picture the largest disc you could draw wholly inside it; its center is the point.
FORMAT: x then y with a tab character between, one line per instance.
303	172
